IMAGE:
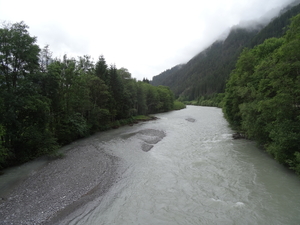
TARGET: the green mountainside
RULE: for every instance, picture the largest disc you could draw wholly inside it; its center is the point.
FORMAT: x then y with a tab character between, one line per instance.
207	73
262	96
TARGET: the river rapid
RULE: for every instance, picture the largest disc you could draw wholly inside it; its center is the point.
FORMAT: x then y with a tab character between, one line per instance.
185	168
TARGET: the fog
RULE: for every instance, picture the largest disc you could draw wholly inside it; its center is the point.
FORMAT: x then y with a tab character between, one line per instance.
146	37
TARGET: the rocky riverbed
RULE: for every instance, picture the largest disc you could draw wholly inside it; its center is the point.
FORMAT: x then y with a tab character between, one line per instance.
86	172
55	190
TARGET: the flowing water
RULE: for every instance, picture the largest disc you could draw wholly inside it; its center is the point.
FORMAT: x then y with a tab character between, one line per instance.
196	174
185	168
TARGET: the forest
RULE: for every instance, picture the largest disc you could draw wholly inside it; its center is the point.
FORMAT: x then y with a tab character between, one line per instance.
203	77
48	102
262	96
254	76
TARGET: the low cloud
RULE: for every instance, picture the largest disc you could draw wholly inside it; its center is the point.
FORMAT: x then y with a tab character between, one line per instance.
145	37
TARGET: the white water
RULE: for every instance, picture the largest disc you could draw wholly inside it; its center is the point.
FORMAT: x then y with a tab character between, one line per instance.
195	175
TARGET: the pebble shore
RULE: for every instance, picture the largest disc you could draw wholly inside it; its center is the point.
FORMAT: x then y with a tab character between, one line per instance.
52	192
86	172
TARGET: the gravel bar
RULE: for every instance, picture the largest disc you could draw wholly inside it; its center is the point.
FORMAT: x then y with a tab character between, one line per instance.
53	192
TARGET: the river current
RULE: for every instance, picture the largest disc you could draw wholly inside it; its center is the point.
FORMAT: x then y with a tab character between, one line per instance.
185	168
195	174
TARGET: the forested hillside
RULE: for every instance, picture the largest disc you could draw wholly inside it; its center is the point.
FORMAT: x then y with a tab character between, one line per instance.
260	68
46	102
207	73
262	97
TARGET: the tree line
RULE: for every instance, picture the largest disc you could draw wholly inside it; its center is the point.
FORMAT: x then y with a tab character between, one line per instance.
206	74
262	97
47	102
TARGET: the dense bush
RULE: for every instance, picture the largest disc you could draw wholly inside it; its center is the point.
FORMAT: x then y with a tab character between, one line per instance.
46	102
263	95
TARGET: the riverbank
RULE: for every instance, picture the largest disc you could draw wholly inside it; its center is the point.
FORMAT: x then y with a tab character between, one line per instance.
85	172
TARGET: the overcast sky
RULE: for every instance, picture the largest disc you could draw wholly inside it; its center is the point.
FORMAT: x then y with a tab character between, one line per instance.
145	36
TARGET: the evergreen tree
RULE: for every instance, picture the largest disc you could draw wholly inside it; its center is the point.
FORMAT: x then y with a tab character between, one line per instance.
46	102
101	70
25	112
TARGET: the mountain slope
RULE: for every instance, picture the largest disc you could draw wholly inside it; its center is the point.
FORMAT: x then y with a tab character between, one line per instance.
207	72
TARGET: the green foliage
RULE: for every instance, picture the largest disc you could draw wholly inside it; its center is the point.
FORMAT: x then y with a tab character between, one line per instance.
207	73
295	163
4	152
47	102
214	100
158	99
25	111
263	94
166	99
179	105
277	27
142	118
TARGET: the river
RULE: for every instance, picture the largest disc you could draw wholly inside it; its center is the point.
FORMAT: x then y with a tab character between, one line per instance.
185	168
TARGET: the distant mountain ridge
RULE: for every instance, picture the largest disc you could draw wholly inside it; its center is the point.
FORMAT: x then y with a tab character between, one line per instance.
207	72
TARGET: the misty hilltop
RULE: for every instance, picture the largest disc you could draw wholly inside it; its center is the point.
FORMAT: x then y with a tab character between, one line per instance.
207	72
